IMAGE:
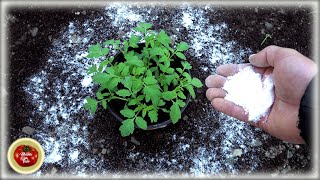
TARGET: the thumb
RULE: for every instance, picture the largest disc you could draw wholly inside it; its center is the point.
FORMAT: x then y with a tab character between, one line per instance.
270	55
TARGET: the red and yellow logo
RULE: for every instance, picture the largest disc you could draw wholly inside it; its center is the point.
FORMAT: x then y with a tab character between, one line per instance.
25	155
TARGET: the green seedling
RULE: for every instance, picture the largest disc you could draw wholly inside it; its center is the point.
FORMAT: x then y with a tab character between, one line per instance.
148	81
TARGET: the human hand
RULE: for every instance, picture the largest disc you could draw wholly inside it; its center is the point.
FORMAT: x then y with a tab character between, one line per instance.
291	73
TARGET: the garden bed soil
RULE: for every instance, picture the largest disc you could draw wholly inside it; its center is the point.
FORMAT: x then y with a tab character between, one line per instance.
48	83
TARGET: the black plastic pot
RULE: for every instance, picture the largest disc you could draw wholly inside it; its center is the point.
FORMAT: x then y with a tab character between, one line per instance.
115	106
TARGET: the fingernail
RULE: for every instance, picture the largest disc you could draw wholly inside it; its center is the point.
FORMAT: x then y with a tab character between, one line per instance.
250	57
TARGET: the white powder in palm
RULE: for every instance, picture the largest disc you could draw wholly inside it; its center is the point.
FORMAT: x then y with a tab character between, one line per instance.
247	89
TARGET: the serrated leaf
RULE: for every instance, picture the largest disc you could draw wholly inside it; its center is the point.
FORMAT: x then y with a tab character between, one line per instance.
181	56
101	78
181	95
163	38
168	95
132	102
181	103
94	51
99	95
156	51
179	70
104	103
127	127
134	40
91	105
187	76
170	70
163	58
144	112
153	115
182	46
123	93
141	123
128	113
102	65
175	113
127	82
140	70
137	85
104	51
110	70
109	42
196	82
125	71
152	93
186	65
150	80
92	69
191	91
112	83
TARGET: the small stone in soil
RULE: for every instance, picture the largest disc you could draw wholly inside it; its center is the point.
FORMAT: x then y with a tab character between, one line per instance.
237	152
28	130
104	151
289	154
185	117
134	141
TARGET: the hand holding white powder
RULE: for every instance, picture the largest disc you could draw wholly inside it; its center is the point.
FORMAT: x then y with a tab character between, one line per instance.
247	90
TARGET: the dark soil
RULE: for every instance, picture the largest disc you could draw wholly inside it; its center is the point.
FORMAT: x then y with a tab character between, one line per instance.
28	54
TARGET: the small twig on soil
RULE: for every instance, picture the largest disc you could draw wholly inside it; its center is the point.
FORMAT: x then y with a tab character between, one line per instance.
267	36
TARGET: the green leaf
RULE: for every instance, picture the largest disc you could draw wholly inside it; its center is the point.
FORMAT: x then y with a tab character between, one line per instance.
140	70
101	78
168	95
109	42
181	56
153	115
141	123
128	113
196	82
163	38
143	27
104	51
191	91
127	127
181	103
187	76
123	93
99	95
150	80
156	51
152	93
137	85
94	51
102	65
175	113
186	65
92	69
111	84
110	70
179	69
134	40
125	71
104	103
170	70
127	82
181	95
132	102
91	105
182	46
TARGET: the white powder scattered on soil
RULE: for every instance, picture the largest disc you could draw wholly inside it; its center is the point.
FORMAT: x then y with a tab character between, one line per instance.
68	146
247	90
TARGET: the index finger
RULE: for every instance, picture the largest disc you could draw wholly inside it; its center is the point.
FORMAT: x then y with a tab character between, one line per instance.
231	69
